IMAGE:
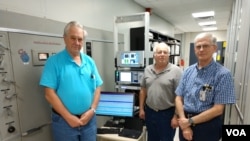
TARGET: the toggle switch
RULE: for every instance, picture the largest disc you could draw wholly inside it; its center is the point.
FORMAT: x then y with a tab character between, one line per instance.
11	128
8	109
5	90
8	81
9	96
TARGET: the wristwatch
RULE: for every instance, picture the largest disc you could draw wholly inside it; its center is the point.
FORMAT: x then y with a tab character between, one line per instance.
191	122
93	109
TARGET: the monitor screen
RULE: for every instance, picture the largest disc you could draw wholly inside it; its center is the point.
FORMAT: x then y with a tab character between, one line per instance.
130	59
120	104
125	76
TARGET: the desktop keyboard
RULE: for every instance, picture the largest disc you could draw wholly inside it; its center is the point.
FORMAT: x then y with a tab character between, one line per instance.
130	133
108	130
113	124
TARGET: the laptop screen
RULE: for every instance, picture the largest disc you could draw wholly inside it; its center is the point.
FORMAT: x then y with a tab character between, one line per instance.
120	104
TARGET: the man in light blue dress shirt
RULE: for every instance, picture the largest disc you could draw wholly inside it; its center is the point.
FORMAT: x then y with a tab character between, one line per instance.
204	90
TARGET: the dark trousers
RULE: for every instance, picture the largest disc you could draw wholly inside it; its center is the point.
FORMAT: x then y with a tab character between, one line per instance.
158	124
207	131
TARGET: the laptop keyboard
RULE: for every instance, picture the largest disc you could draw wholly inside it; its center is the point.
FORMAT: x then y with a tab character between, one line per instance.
130	133
108	130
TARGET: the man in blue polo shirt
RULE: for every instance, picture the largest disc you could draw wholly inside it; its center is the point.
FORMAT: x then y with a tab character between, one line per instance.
72	87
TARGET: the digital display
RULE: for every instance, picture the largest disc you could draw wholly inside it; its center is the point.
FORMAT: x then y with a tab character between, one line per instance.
128	77
120	104
43	56
130	59
125	76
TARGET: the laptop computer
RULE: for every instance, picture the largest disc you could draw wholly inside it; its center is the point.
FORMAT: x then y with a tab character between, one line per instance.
132	128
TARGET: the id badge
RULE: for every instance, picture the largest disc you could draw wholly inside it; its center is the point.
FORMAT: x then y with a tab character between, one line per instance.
202	95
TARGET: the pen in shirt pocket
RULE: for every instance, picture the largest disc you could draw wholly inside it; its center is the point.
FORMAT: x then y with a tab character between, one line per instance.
92	76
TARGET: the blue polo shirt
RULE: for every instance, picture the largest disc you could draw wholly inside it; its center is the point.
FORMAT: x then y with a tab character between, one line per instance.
215	79
75	85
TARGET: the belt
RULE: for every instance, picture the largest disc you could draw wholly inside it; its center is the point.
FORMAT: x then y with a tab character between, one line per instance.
189	115
157	110
54	111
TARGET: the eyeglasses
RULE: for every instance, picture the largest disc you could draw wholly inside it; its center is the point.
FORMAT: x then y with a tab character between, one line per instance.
202	46
162	52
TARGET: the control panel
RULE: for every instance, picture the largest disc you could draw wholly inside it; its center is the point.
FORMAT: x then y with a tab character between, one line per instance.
22	57
128	77
129	72
39	57
9	124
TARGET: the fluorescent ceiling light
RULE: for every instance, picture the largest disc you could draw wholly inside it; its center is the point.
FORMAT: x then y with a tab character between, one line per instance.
203	14
209	28
207	23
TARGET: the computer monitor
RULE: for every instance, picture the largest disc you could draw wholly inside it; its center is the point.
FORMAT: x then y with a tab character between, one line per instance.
116	104
130	59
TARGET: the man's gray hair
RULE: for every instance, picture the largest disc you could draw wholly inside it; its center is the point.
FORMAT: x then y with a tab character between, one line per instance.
72	24
161	44
206	35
